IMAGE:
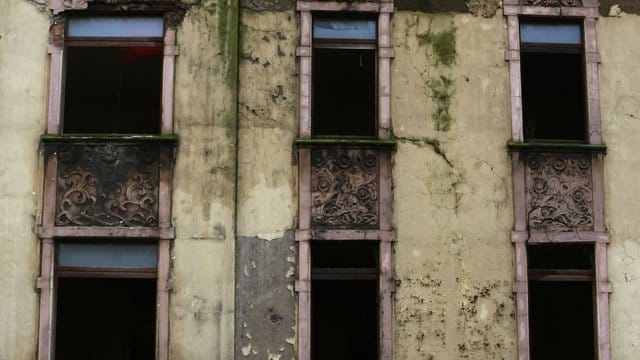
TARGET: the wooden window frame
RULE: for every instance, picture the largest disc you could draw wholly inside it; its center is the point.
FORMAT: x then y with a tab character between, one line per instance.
585	11
49	233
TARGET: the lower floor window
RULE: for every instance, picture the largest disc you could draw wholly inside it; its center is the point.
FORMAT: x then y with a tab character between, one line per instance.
105	318
561	301
344	300
105	300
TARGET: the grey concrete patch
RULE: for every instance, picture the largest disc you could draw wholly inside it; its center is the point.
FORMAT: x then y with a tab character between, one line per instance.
265	299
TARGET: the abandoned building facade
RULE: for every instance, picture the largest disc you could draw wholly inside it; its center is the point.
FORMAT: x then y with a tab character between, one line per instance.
281	179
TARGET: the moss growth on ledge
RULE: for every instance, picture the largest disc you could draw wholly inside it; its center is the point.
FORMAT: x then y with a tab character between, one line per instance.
311	142
101	138
558	146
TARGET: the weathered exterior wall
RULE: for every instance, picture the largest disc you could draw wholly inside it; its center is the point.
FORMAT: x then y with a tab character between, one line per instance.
620	101
452	179
235	184
201	304
267	186
23	88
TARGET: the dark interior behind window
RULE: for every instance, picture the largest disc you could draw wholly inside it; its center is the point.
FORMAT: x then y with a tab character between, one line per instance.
113	90
344	300
553	80
561	320
553	96
344	92
105	319
561	305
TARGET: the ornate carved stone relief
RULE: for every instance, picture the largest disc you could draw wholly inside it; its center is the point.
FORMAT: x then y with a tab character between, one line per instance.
570	3
559	192
344	188
108	185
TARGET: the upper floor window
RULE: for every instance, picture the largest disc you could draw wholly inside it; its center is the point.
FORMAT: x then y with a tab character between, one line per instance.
344	76
553	80
113	81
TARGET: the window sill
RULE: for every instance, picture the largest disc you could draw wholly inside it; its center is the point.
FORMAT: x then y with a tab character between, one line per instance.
101	138
555	146
319	142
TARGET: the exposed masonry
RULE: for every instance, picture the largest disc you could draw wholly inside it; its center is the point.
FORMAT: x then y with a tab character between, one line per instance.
265	302
484	8
627	6
432	5
268	5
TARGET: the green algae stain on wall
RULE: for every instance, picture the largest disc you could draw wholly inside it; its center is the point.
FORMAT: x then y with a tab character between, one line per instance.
441	48
443	45
441	92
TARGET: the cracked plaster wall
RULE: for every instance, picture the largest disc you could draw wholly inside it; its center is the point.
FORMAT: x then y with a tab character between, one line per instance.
267	198
620	102
267	201
454	271
23	87
202	301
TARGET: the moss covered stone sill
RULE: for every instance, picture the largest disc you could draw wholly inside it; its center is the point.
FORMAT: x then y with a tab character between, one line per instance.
108	138
555	146
391	144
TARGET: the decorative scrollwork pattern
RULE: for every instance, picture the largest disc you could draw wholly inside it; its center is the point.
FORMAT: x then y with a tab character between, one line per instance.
559	192
570	3
344	188
108	185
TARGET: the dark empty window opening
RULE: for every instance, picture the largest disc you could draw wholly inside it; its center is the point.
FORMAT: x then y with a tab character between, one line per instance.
113	81
344	77
105	299
561	306
553	82
103	318
344	305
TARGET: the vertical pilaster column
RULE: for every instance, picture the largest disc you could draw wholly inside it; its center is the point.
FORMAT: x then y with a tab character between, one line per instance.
303	287
592	57
168	75
162	299
44	283
304	53
513	56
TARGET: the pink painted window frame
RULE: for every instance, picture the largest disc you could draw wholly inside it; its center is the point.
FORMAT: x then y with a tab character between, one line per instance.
384	234
48	232
521	235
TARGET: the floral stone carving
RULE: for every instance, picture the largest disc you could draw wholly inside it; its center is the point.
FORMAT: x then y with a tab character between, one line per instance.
107	185
570	3
344	188
559	192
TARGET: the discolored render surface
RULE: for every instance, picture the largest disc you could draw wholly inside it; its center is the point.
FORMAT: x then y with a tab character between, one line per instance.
454	273
202	301
620	102
627	6
23	88
235	201
265	299
267	183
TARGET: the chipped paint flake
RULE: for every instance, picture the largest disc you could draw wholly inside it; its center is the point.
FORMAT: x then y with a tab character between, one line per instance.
246	350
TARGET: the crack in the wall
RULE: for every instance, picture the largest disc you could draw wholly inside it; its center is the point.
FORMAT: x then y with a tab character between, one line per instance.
440	47
432	142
